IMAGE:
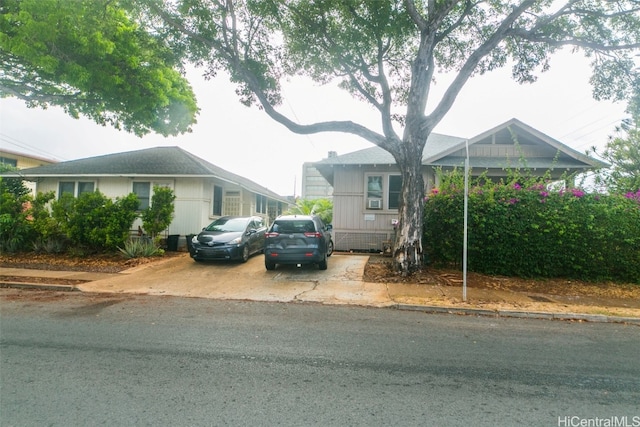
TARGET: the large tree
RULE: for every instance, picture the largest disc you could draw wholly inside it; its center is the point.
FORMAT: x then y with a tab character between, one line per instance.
623	154
387	53
90	58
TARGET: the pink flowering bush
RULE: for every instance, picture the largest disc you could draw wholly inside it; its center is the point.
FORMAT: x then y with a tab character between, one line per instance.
523	228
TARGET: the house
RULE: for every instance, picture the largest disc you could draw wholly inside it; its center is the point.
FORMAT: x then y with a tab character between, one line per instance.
18	160
314	185
203	191
366	183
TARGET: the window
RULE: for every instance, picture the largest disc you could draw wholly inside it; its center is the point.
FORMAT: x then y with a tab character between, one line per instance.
143	191
261	203
395	189
256	224
9	162
71	187
383	191
66	187
232	203
85	187
374	187
217	200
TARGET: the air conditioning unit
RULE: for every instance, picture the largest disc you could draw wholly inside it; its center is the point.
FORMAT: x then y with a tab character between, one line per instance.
374	203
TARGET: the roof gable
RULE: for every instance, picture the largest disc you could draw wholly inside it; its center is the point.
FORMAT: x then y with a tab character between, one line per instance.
549	152
447	150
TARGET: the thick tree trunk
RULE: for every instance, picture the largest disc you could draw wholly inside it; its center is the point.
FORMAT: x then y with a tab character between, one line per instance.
408	244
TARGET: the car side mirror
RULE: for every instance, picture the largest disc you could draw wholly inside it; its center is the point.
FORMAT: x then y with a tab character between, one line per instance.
329	227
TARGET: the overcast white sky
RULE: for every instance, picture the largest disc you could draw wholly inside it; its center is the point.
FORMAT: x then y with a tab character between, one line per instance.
247	142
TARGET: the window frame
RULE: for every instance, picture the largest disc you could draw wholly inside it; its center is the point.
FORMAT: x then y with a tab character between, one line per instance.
62	191
141	205
216	200
261	203
73	187
81	184
393	192
386	191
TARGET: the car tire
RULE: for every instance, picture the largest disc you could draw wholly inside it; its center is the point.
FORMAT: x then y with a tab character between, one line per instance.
245	254
269	266
330	248
322	265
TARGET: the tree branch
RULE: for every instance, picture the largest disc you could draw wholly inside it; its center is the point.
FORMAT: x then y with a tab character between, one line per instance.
471	63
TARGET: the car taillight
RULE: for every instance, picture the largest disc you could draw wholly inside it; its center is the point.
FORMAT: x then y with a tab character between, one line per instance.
267	235
316	234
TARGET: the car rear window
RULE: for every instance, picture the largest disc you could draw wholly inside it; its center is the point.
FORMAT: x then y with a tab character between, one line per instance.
295	226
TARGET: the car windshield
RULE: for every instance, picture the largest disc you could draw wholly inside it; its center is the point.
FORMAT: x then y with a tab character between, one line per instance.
228	224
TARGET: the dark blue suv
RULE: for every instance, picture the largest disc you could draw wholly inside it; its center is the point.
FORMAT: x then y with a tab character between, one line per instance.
297	239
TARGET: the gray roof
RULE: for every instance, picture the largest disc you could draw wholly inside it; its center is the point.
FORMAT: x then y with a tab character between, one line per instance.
440	150
436	143
150	162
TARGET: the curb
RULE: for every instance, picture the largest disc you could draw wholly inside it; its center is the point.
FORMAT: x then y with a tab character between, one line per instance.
594	318
24	285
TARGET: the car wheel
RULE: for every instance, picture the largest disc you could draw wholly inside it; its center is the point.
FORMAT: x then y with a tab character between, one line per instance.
245	253
269	265
322	265
330	248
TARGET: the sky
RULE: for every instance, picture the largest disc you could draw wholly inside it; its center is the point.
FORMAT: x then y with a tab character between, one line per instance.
247	142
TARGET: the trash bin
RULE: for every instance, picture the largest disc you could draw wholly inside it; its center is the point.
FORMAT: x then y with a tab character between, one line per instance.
172	242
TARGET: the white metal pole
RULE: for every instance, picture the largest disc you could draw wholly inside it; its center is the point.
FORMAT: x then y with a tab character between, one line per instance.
466	214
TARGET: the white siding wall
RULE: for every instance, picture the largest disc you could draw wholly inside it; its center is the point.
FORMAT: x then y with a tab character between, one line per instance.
193	204
190	206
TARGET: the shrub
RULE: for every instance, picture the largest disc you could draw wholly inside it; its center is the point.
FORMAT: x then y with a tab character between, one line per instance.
15	230
94	222
158	216
522	228
140	248
52	245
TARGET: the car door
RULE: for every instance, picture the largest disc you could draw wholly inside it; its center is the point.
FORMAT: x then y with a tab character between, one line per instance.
256	238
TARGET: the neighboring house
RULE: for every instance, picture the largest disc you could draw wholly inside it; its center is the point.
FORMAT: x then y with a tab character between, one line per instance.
366	183
314	185
203	191
23	161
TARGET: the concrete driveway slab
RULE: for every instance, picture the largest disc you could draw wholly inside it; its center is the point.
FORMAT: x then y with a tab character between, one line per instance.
341	283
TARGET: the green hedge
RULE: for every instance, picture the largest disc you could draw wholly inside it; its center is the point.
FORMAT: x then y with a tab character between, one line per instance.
521	228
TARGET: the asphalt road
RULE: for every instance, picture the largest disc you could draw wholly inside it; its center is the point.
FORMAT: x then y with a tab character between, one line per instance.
78	360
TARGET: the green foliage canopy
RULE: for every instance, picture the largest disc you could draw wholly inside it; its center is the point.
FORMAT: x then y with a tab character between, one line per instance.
623	154
92	59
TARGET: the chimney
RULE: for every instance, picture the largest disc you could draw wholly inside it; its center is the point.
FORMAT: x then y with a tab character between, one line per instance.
332	154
